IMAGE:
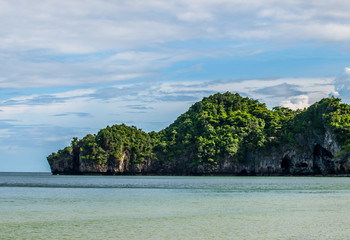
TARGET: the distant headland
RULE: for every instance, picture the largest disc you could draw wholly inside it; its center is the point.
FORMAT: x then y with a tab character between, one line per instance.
224	134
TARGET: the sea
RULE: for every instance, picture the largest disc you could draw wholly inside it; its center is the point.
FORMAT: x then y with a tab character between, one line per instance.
43	206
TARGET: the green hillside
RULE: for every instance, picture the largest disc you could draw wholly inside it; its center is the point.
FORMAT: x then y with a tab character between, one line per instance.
220	126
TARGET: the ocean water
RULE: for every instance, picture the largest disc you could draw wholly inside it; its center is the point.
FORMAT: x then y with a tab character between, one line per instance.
42	206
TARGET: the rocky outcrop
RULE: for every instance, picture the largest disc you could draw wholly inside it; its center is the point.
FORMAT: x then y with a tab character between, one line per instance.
223	134
312	155
62	162
316	155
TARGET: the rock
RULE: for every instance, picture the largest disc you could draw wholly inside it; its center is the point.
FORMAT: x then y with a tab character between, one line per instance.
224	134
312	156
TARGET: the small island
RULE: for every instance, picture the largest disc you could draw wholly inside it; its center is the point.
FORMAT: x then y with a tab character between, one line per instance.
224	134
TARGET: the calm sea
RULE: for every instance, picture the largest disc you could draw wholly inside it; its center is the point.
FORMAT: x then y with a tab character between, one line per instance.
41	206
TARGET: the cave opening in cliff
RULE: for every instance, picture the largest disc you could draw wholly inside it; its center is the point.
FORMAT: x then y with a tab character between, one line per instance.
321	159
244	172
285	164
321	151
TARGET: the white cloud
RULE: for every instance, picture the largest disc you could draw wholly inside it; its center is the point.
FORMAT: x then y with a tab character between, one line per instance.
326	31
307	90
82	27
99	105
70	43
298	102
195	16
342	85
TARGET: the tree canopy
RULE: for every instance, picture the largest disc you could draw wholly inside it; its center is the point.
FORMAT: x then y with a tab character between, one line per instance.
220	126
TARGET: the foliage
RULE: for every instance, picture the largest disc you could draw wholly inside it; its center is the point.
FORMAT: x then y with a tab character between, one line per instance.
111	144
220	126
223	125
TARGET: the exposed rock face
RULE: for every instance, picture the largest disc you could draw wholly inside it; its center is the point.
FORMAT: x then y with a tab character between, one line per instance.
311	156
62	164
223	134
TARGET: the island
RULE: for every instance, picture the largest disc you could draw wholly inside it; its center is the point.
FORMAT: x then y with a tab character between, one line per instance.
224	134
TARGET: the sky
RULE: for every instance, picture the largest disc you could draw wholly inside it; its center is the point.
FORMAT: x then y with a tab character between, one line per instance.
69	68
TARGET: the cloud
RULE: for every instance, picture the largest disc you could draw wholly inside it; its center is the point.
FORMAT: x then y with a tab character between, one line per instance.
138	107
297	102
78	114
7	123
342	85
119	91
195	16
76	27
44	99
178	98
33	74
281	90
135	112
149	96
102	25
64	43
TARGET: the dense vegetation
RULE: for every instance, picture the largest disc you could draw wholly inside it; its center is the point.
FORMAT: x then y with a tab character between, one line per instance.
223	125
110	144
220	126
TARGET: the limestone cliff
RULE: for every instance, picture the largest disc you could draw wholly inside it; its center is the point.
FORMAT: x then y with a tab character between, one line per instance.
312	156
224	134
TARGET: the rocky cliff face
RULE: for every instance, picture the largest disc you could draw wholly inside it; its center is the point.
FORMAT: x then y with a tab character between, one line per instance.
222	134
313	155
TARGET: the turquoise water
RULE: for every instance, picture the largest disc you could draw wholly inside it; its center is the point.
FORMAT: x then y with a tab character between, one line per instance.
41	206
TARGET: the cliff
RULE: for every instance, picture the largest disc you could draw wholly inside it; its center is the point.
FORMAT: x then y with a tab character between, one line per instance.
222	134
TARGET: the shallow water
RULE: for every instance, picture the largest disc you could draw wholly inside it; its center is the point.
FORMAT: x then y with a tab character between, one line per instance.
41	206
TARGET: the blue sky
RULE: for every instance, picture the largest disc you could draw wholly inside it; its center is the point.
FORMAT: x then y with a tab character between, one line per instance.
68	68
